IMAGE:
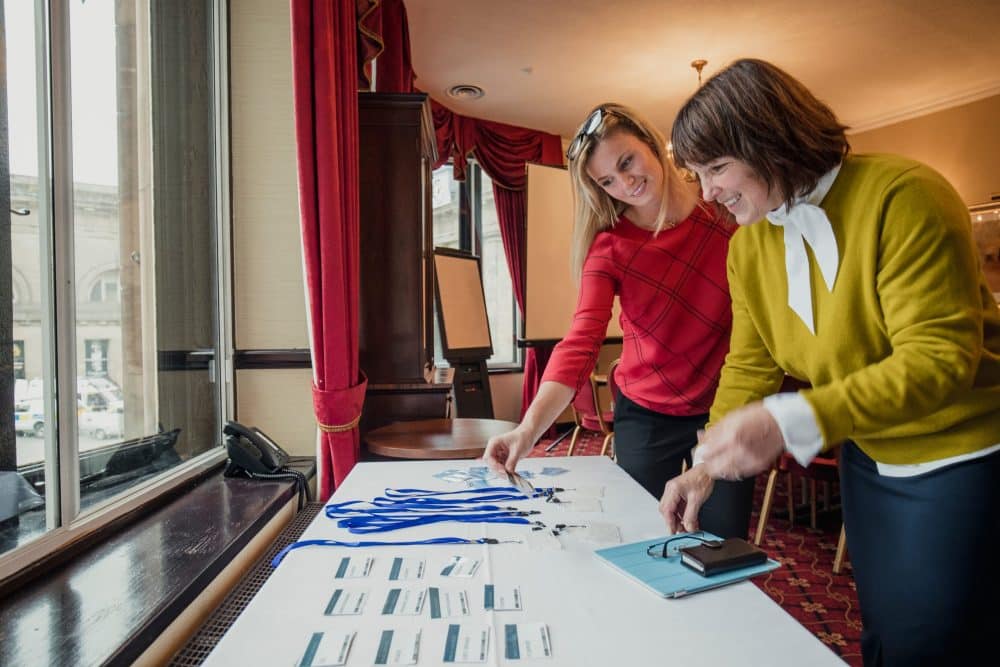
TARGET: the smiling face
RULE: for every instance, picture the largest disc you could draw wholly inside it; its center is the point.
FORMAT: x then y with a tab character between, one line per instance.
626	168
735	185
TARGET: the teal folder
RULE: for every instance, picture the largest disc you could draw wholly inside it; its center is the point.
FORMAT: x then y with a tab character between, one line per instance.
668	577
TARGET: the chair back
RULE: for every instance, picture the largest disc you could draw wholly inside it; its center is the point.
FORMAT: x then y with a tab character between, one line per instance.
612	384
587	410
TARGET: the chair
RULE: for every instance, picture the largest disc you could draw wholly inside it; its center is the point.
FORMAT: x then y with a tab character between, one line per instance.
588	414
823	469
613	390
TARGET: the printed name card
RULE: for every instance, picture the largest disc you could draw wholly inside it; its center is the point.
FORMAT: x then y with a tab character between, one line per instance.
502	598
327	649
398	647
406	568
526	641
354	568
466	643
460	566
448	604
404	602
346	603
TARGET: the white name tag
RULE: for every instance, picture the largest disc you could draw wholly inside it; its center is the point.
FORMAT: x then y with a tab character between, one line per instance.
403	569
460	566
448	604
499	598
527	641
346	603
579	504
354	568
327	649
467	644
398	647
404	602
602	533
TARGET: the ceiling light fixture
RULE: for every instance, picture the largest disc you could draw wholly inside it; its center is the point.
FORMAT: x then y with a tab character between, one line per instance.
465	91
687	174
699	64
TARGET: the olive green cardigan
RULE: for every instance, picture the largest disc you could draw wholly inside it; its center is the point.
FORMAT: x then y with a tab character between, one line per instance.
906	356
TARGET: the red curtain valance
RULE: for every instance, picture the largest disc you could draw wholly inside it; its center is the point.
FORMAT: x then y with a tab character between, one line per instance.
501	150
383	33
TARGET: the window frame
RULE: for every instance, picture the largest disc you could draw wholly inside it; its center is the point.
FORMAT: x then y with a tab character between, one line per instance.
470	239
59	358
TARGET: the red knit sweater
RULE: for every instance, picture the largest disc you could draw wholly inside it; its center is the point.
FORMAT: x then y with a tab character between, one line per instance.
676	315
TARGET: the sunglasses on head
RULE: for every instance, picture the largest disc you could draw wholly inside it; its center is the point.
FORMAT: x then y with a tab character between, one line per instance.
591	125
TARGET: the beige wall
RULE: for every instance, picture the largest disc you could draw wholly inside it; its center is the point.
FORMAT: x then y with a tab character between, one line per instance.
963	143
269	301
268	292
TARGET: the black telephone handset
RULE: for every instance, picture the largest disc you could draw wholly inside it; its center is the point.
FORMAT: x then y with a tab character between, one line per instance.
252	454
250	450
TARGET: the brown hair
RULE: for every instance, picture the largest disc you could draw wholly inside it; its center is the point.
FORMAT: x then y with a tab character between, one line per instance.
761	115
594	209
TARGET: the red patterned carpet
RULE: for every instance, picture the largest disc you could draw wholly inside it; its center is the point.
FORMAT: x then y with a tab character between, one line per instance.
805	587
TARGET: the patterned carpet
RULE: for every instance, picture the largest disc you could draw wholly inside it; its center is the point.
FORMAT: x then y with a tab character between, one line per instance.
805	587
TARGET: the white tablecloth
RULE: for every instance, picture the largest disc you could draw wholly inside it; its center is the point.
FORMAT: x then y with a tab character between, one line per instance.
595	615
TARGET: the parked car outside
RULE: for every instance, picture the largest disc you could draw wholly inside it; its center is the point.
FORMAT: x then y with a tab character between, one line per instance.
102	424
29	418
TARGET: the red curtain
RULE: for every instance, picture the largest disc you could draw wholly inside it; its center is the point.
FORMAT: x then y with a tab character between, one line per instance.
324	65
502	151
383	33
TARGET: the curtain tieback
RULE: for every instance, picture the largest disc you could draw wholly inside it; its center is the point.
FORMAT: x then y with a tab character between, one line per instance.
339	410
339	428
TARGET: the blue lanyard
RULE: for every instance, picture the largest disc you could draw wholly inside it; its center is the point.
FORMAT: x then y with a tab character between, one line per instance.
513	492
362	525
337	543
407	508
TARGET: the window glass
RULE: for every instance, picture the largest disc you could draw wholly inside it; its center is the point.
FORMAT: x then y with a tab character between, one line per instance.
497	285
465	218
23	495
445	196
143	253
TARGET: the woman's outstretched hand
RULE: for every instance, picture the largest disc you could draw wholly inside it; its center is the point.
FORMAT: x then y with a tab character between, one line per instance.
742	444
683	496
505	450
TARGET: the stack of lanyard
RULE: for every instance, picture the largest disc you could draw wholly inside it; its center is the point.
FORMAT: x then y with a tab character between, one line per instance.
408	508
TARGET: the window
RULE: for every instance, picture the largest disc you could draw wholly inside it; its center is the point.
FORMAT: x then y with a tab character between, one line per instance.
465	217
105	288
114	141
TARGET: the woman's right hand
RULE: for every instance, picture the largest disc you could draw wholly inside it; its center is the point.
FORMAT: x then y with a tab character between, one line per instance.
505	450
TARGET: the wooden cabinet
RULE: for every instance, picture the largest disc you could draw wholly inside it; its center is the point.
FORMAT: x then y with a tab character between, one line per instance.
396	344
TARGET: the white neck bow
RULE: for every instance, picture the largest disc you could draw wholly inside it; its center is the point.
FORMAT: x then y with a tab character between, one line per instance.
806	221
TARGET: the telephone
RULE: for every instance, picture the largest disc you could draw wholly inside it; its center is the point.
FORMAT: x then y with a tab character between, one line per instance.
252	451
253	454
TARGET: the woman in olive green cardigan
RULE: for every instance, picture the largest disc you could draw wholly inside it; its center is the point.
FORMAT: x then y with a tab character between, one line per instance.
888	317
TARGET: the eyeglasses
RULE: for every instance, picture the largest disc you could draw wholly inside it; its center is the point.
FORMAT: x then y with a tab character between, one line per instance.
591	125
661	549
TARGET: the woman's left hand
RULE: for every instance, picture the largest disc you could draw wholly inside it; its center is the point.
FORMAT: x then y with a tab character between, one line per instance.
743	443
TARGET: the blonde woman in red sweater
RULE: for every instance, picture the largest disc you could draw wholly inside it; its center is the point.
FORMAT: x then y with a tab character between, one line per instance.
642	233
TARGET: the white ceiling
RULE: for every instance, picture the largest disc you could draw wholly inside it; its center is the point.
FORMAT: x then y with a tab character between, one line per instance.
545	63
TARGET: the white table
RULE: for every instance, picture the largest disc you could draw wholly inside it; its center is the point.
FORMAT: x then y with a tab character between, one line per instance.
595	615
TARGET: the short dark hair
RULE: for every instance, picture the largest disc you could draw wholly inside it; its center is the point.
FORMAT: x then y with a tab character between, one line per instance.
760	114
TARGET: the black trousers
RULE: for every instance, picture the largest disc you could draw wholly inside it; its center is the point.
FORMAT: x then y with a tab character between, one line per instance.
651	446
924	553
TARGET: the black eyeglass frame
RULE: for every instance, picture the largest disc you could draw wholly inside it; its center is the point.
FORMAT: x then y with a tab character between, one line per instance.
593	123
663	547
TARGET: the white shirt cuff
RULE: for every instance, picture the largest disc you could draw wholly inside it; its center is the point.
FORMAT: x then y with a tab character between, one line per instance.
696	457
797	424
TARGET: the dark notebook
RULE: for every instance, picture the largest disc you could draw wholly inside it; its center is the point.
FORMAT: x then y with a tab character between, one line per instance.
733	554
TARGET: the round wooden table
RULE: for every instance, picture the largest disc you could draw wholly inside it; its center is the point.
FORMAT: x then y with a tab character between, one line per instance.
435	438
